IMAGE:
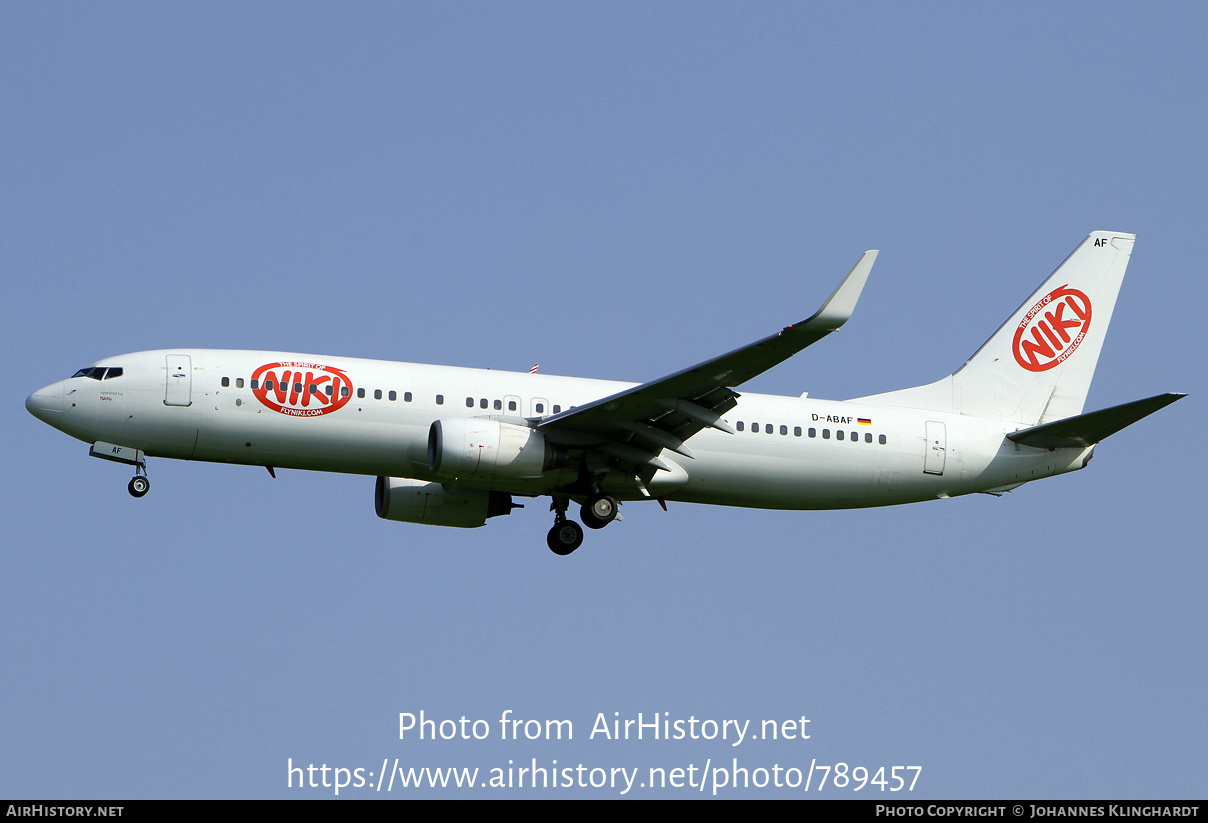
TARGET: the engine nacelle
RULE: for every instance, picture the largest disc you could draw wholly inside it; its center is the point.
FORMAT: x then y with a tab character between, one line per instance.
485	449
414	501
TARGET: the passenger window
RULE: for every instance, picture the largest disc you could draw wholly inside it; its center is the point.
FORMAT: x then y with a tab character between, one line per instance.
796	431
226	381
440	399
469	402
407	396
738	425
855	437
812	432
393	394
557	408
482	404
360	392
839	434
238	380
881	439
867	437
314	389
268	384
826	434
344	391
540	408
329	390
298	388
377	394
498	405
511	405
784	429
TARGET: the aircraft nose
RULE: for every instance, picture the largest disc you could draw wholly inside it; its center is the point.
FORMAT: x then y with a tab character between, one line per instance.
47	404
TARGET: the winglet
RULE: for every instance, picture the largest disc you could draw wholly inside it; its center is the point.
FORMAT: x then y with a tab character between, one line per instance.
842	302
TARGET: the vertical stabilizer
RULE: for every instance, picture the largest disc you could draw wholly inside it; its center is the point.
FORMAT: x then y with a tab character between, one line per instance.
1038	366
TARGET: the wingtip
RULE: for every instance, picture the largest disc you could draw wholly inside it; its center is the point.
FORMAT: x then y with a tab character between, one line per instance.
842	302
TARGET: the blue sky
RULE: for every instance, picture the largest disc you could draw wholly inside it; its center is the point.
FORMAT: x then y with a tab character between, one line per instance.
618	191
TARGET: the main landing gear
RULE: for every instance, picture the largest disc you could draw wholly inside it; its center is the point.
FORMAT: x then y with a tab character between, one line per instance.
567	535
598	511
564	537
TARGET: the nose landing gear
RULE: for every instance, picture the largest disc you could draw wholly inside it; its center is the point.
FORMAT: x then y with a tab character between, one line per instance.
139	486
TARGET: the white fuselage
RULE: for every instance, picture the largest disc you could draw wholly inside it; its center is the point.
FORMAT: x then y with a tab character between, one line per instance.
786	452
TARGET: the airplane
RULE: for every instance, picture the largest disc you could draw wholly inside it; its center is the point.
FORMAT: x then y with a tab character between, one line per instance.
453	446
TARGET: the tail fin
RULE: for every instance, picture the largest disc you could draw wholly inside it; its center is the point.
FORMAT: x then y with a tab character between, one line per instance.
1038	366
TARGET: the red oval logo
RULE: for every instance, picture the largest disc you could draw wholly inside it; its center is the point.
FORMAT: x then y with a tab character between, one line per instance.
301	389
1052	329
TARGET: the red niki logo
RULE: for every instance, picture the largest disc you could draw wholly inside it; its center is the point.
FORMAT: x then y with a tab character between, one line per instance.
1052	329
301	389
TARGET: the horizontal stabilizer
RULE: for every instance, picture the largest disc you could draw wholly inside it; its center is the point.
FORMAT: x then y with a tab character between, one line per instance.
1088	429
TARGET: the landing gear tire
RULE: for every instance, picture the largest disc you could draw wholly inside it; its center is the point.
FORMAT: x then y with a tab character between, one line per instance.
565	537
598	511
139	486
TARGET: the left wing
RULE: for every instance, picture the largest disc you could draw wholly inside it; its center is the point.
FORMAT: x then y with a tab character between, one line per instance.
637	423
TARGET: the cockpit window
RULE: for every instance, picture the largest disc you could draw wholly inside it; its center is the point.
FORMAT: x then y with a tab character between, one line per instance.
99	372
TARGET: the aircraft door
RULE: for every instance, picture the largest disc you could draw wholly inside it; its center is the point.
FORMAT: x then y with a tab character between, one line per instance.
937	448
178	389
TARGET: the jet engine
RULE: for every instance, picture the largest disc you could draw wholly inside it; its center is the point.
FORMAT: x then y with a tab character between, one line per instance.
483	449
414	501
